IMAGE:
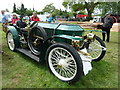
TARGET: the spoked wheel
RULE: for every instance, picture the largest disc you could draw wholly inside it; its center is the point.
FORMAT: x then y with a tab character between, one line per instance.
97	49
64	62
10	41
36	38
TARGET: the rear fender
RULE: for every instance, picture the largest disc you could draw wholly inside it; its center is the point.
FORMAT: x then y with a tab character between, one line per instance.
15	34
44	48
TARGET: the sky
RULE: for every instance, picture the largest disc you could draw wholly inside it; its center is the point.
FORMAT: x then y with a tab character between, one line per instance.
37	4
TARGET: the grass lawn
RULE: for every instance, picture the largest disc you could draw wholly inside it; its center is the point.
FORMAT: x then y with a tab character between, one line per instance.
19	71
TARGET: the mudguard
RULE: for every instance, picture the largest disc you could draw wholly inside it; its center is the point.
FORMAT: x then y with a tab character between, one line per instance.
15	34
44	48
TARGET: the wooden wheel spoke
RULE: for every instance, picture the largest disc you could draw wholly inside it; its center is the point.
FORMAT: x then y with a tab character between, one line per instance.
39	37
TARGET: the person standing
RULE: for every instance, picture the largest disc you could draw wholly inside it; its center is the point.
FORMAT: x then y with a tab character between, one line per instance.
107	25
14	19
35	17
4	20
50	19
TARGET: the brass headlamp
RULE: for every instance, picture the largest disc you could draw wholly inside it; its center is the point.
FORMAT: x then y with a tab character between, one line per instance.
90	36
77	43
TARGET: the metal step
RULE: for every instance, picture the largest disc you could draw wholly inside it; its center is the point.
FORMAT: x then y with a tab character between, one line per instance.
28	53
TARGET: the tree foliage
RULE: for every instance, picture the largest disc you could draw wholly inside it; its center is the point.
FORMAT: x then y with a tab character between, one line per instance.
6	10
49	8
29	12
109	7
118	8
77	5
90	6
23	11
14	8
105	7
55	12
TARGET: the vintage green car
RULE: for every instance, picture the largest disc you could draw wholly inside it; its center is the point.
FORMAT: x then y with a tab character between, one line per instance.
66	50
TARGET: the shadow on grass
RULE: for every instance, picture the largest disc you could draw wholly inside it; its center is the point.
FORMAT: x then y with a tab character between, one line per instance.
38	64
7	58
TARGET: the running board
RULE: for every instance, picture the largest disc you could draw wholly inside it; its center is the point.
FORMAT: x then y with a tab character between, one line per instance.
28	53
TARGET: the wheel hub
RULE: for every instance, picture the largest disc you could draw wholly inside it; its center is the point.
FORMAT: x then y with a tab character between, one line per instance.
62	63
10	41
90	49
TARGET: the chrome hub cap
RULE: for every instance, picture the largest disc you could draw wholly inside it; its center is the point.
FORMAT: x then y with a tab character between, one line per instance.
10	41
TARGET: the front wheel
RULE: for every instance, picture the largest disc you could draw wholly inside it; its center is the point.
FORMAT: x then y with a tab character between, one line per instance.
97	49
64	62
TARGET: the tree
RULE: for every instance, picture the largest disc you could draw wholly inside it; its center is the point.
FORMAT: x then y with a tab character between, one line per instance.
23	9
6	10
33	9
29	12
49	8
109	7
14	8
89	6
55	12
118	8
39	12
65	14
76	5
74	14
68	3
18	11
65	4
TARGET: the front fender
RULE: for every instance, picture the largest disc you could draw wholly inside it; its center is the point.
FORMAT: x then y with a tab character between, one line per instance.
15	34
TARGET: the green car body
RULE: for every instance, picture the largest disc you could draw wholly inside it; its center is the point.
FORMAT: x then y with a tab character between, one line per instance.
63	34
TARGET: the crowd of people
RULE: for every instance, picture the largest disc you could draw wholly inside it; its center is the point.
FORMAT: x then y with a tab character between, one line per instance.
15	18
20	21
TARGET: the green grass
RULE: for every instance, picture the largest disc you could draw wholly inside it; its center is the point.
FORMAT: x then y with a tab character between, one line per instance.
19	71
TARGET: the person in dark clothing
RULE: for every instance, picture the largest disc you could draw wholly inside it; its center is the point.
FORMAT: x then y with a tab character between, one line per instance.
22	22
107	25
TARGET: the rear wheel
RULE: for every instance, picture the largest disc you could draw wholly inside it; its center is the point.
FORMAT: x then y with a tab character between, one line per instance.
11	41
64	62
36	38
97	49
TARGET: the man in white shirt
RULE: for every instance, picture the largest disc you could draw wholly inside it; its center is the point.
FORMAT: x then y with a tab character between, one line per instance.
4	20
